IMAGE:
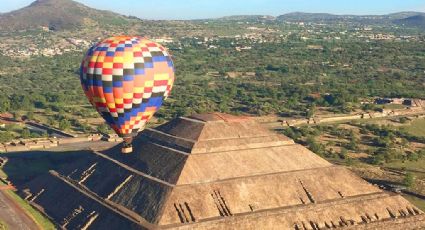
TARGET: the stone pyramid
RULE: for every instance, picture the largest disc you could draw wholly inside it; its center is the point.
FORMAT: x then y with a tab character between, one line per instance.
215	171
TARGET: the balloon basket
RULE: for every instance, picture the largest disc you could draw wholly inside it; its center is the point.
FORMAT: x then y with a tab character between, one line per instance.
127	150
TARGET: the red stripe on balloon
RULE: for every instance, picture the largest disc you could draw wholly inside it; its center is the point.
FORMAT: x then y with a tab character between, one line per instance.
160	83
107	71
118	65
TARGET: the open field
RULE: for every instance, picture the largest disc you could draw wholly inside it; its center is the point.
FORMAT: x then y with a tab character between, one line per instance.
418	166
417	127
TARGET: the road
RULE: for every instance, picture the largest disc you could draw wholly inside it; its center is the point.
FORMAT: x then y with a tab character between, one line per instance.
13	215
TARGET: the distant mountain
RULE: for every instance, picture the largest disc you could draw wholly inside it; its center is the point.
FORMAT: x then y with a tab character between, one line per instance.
406	18
247	18
412	21
403	15
57	15
300	16
68	15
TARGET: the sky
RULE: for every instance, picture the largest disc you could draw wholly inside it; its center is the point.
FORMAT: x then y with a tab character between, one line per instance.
198	9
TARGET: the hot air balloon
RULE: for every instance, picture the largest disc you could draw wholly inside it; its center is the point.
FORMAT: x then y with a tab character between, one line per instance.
127	79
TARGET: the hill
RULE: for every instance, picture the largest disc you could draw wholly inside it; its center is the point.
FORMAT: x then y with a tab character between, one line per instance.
413	21
58	15
299	16
247	18
408	18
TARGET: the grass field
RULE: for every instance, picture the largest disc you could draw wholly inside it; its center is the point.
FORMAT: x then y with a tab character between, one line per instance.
408	165
417	127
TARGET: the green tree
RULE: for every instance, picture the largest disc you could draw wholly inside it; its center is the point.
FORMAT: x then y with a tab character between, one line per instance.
314	146
5	137
403	120
30	115
413	156
64	124
25	133
4	105
409	180
353	141
103	128
343	153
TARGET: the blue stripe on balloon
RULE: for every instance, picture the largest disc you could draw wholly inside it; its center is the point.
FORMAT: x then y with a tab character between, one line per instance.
155	101
87	83
107	89
159	58
148	65
117	83
139	71
97	82
108	118
102	49
128	78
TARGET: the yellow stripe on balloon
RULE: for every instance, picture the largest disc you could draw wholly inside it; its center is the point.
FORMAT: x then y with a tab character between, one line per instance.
118	59
138	89
160	77
128	95
108	65
149	84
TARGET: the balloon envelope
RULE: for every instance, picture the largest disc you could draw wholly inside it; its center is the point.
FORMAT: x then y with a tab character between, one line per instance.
126	79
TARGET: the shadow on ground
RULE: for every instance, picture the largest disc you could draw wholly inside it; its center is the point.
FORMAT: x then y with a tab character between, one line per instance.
23	167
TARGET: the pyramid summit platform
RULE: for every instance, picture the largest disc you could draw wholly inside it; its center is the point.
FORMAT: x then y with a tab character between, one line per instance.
215	171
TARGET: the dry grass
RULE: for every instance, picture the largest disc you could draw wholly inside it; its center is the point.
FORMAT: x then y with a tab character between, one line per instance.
417	127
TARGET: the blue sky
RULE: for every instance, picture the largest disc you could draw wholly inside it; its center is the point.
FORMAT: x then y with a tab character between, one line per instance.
195	9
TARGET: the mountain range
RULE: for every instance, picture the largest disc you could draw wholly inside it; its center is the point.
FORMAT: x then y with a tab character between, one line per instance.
68	14
57	15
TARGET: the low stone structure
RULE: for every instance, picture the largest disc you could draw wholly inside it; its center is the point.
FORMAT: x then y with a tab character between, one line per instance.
412	111
215	171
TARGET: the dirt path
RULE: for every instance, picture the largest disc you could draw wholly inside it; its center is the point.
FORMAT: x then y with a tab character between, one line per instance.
13	215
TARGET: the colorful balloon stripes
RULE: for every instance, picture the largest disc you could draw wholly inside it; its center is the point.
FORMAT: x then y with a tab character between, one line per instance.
126	79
